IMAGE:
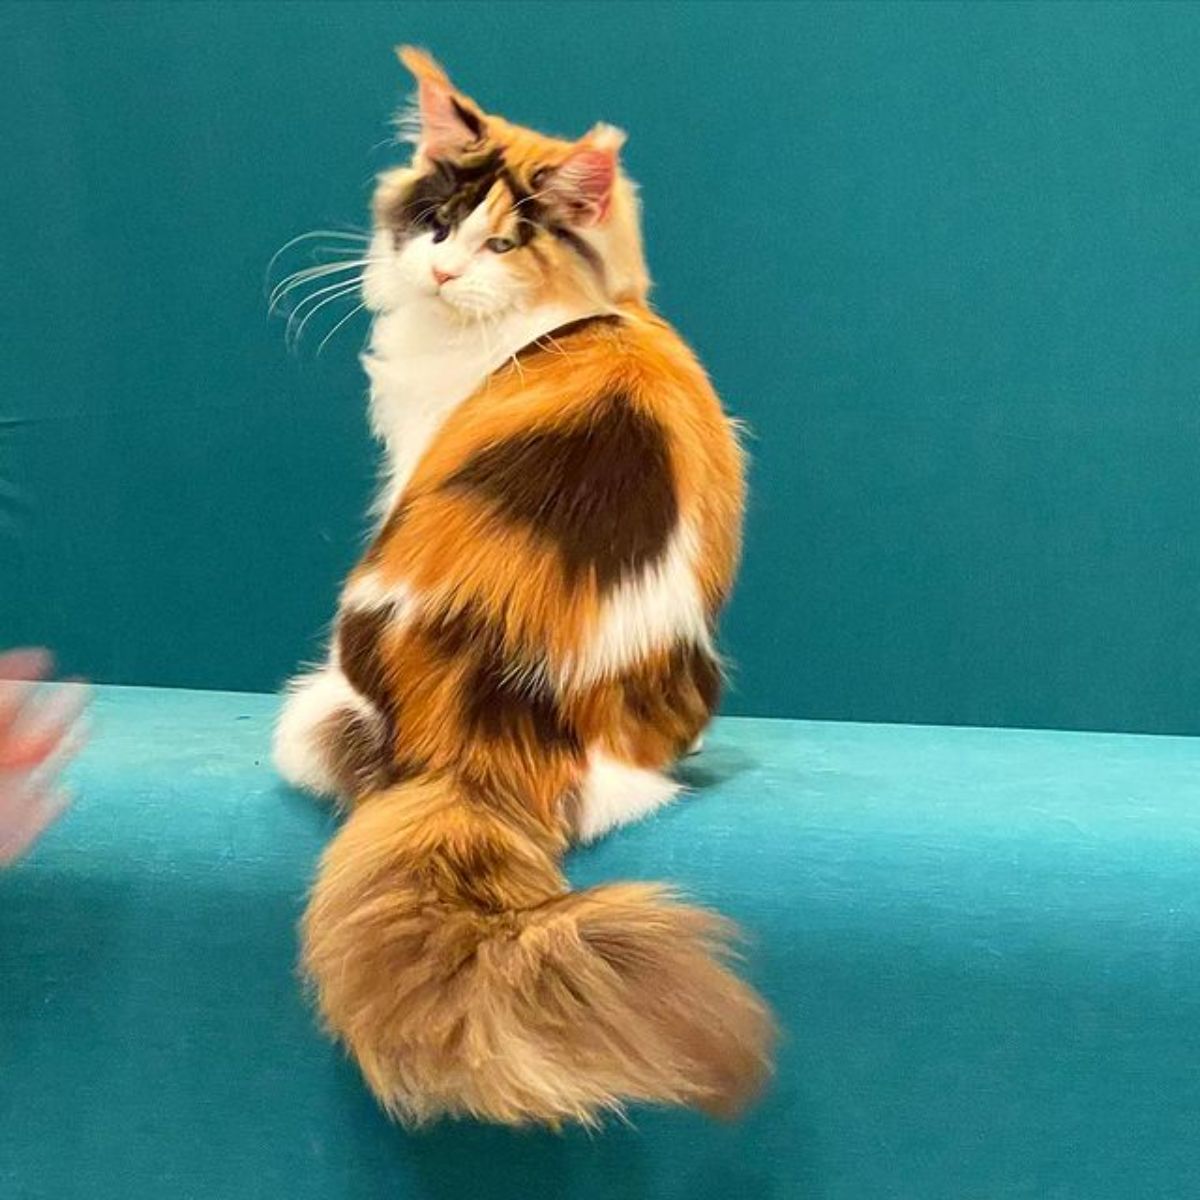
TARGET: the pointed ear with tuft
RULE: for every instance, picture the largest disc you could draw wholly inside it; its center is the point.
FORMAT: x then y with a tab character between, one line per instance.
450	121
580	189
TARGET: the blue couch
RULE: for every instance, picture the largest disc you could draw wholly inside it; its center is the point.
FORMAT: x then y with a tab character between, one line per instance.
984	948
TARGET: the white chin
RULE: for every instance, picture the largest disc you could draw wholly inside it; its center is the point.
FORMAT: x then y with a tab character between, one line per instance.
470	307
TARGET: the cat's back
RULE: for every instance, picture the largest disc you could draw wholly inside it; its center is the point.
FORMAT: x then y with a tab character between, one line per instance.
603	442
617	394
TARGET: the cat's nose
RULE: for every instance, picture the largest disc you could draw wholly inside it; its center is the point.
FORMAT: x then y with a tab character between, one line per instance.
440	276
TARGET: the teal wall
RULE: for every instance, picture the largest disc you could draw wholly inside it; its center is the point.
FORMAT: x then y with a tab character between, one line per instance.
943	259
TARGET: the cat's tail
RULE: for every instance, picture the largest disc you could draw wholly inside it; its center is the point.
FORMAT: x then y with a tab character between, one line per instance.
448	955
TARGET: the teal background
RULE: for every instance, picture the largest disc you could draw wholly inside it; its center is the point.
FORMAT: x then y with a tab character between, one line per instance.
942	259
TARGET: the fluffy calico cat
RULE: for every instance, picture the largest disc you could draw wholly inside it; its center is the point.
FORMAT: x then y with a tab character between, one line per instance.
522	651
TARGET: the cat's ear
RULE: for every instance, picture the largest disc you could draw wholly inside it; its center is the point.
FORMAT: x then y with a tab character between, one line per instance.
580	189
448	121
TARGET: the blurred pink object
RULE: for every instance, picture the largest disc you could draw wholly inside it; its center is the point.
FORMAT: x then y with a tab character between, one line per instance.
39	731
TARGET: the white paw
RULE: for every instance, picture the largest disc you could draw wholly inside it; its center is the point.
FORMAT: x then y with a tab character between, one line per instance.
615	794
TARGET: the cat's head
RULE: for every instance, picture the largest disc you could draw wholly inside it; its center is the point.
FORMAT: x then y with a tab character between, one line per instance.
490	216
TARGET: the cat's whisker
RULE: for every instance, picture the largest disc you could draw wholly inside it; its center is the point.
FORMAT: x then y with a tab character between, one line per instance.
418	217
309	274
317	251
481	321
356	309
494	324
294	312
515	359
289	285
530	198
346	291
329	287
343	234
549	343
379	145
340	285
316	300
317	268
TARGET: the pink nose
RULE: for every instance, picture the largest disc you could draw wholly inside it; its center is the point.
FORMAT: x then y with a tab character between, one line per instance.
441	277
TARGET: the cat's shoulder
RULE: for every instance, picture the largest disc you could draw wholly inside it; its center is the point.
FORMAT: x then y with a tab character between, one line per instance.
631	351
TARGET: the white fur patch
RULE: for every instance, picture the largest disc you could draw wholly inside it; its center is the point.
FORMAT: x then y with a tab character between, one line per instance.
661	607
310	700
367	593
615	794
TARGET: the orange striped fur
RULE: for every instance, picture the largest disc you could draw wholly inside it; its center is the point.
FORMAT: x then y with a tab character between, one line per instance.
532	621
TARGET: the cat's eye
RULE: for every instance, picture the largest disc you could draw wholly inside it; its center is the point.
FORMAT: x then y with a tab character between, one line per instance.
440	232
500	245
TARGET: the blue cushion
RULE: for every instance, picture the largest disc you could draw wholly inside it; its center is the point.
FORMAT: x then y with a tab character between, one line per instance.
983	946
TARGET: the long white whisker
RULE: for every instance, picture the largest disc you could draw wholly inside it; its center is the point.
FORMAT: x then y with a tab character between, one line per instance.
356	309
300	328
323	291
316	251
514	357
347	231
341	288
429	208
345	235
492	321
481	321
291	282
316	308
530	197
318	268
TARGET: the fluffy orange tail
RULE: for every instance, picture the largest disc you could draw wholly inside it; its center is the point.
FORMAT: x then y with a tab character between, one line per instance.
449	956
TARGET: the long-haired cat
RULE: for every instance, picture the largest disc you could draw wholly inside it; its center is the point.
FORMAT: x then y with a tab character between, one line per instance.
523	650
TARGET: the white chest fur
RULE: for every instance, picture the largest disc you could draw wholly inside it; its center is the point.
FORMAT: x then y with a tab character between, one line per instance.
423	363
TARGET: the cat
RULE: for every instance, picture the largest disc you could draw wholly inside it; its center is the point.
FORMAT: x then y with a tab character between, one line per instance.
523	650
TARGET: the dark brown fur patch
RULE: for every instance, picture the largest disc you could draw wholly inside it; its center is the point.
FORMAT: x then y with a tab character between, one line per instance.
570	238
468	118
676	698
503	697
601	492
546	343
446	194
499	706
361	657
706	675
456	635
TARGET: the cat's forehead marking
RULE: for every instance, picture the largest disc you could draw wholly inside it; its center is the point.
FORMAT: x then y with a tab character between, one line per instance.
451	190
